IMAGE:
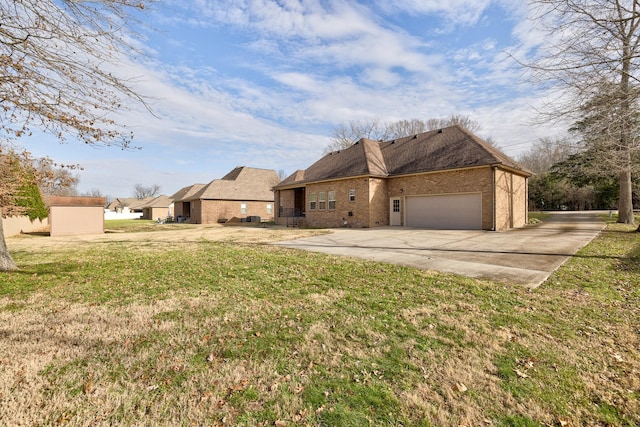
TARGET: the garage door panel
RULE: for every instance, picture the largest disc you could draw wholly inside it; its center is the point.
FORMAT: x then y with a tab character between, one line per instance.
450	211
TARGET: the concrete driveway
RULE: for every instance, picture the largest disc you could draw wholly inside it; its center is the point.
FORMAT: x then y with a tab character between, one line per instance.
524	256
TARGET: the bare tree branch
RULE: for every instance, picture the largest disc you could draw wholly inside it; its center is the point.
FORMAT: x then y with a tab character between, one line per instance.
592	55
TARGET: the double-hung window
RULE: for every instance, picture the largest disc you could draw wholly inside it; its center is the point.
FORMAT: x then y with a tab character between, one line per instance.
322	201
352	195
312	201
332	200
243	208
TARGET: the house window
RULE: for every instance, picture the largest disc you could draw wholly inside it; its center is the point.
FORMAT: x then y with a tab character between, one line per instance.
269	208
332	200
312	201
396	205
243	208
322	201
352	195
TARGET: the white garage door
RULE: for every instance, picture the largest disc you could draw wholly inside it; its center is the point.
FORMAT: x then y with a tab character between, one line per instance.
447	212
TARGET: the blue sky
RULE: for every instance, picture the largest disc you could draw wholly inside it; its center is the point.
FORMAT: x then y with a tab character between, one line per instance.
261	83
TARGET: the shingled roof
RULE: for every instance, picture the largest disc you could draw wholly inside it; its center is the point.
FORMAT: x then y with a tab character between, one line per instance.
438	150
140	203
185	193
242	183
158	202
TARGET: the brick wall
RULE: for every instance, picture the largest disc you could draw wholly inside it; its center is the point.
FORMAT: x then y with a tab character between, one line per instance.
213	210
359	208
461	181
511	200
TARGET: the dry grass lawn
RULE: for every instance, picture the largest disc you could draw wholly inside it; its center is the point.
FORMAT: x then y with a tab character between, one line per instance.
207	325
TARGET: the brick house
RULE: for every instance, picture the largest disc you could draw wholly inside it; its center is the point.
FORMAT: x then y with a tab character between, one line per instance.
157	207
243	192
443	179
182	201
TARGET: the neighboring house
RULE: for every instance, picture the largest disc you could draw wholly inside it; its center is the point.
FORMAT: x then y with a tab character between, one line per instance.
181	201
160	207
119	209
76	215
119	204
243	192
137	205
442	179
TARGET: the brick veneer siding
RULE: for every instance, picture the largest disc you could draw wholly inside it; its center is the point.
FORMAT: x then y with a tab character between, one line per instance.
178	209
210	211
360	208
511	200
196	209
378	202
448	182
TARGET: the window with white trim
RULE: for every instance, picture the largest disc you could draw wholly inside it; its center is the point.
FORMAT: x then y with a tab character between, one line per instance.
312	201
352	195
332	200
269	208
322	201
243	208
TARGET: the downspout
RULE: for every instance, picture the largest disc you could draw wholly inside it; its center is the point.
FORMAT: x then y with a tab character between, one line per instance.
493	191
526	200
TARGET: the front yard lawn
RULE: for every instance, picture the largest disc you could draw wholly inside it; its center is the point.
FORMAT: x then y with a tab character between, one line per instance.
215	333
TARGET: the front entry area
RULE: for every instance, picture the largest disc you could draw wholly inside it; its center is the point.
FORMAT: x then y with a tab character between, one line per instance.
445	211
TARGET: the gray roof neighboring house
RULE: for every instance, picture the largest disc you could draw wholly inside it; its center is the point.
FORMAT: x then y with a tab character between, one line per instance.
242	183
438	150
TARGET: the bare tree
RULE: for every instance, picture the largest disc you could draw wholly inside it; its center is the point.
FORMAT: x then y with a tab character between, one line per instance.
142	192
454	119
344	135
56	63
546	152
592	54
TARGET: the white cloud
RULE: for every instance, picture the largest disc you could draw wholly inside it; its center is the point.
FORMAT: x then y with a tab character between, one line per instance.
457	12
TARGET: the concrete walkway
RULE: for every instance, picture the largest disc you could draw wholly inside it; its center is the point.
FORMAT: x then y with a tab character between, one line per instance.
525	256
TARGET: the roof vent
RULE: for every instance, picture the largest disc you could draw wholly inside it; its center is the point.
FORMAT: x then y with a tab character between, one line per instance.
415	136
393	142
356	143
439	130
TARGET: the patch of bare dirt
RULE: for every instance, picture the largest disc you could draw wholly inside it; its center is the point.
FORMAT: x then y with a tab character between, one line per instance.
212	233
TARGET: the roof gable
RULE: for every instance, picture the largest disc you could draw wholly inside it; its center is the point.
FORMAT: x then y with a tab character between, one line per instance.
362	158
242	183
185	193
